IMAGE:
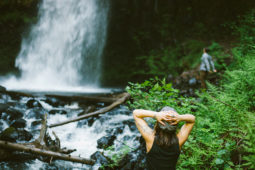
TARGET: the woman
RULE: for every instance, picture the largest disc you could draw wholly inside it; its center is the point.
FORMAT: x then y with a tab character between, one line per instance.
163	145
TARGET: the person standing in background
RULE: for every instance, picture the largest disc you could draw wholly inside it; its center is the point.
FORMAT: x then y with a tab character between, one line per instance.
207	66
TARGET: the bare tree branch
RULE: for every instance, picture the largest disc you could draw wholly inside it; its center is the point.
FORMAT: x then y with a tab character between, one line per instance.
121	100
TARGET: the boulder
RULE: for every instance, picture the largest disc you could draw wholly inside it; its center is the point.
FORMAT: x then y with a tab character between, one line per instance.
54	102
19	123
115	131
131	124
91	120
105	141
100	158
14	114
37	113
3	107
33	103
10	134
81	123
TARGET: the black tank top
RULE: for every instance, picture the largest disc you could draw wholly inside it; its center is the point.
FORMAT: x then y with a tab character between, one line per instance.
162	158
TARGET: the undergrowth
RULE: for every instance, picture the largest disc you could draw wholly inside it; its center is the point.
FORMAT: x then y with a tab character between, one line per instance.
224	134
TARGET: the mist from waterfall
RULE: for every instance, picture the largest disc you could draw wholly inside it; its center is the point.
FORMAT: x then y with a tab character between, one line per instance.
64	48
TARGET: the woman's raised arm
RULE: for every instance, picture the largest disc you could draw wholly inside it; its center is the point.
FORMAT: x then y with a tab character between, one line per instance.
186	128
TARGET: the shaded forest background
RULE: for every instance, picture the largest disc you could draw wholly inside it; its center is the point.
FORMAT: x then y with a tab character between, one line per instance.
145	38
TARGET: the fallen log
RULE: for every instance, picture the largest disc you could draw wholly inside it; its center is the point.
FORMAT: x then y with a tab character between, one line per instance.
56	155
40	147
105	98
94	99
121	100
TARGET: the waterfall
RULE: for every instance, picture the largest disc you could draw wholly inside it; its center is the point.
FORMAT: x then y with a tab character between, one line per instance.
63	49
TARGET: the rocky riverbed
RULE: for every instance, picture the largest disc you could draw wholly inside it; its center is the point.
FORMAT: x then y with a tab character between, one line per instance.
98	137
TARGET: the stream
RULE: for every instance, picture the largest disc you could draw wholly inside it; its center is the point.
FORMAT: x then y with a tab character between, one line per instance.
116	125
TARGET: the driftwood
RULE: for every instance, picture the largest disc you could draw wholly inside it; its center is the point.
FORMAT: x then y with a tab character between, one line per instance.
39	147
121	100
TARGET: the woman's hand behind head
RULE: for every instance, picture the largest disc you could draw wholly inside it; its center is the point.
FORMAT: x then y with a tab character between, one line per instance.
169	116
174	117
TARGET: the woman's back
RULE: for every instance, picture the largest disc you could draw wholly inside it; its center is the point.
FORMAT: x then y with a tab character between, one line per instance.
162	158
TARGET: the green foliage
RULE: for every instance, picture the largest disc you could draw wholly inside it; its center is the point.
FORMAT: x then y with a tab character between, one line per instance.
116	156
176	59
150	94
245	30
172	60
15	17
219	55
224	128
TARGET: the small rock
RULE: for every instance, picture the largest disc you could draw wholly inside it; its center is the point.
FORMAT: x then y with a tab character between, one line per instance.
33	103
118	130
55	111
105	141
24	135
36	123
126	138
91	120
19	123
193	82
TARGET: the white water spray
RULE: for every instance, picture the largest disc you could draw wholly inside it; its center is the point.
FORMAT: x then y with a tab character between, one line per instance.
63	50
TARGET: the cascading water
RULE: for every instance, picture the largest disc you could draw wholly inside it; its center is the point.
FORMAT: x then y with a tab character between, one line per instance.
63	50
82	135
